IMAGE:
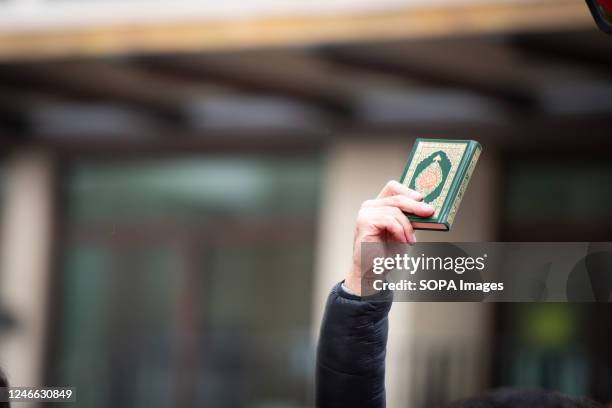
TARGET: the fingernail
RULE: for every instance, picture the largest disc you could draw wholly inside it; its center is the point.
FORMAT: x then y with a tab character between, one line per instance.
418	196
426	207
413	239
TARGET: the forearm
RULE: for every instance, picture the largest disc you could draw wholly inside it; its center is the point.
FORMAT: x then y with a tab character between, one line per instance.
351	351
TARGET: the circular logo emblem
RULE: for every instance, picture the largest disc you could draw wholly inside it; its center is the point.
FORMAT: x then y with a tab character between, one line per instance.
429	178
430	175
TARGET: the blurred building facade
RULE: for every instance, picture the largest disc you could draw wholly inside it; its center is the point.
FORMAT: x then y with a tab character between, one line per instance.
179	194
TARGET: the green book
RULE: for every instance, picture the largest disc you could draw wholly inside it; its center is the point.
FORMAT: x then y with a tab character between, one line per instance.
440	169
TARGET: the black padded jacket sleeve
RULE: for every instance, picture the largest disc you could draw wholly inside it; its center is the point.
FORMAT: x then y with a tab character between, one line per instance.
351	352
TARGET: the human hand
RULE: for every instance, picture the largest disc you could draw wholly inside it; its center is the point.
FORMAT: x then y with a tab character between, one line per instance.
383	220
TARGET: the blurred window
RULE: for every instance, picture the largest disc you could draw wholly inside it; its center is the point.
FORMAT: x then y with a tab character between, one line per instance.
555	197
188	282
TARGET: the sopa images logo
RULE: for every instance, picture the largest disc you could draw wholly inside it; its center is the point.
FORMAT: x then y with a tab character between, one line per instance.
602	13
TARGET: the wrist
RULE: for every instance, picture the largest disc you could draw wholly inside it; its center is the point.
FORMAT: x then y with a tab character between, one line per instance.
353	283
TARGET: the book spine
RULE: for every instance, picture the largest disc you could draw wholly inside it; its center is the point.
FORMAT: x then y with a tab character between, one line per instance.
464	183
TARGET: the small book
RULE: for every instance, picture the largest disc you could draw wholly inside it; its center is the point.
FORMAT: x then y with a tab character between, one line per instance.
440	169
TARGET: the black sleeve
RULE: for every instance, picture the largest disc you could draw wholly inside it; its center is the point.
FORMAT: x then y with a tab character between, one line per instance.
351	351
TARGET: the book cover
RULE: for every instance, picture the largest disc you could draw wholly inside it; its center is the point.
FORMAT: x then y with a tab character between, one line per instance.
440	169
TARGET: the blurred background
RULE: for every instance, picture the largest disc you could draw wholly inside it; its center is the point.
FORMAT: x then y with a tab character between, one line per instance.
179	182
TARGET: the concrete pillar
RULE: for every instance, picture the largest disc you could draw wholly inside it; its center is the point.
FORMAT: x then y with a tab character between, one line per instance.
25	262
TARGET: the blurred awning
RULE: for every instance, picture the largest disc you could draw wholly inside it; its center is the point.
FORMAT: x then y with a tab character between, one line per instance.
550	84
37	29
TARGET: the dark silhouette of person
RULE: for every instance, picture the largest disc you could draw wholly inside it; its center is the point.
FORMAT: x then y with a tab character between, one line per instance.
4	391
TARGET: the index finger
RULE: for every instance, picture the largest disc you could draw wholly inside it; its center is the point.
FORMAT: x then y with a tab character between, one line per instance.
395	188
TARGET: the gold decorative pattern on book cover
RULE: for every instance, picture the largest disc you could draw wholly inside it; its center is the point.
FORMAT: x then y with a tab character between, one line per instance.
432	170
464	184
